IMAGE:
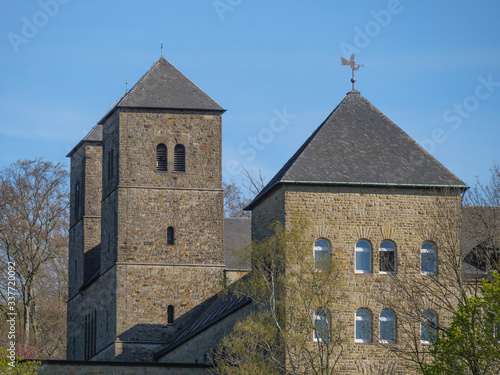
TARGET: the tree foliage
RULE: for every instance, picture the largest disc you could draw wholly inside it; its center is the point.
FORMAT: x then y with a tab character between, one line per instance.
471	344
292	330
16	366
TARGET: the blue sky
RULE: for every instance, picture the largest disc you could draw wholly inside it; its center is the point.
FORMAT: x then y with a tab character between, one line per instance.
432	67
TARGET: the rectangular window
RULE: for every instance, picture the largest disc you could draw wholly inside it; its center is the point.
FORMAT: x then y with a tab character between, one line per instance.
321	259
387	261
363	261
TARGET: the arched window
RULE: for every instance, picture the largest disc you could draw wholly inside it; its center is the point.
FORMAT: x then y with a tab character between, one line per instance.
321	325
428	264
363	257
321	255
387	257
428	327
387	327
161	157
170	314
170	236
363	326
179	158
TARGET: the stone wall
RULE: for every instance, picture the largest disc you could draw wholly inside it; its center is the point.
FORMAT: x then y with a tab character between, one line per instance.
269	211
110	368
100	296
200	348
345	215
200	133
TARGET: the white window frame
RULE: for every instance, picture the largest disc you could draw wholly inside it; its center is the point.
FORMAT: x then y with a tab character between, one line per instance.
386	319
427	251
381	249
370	327
363	250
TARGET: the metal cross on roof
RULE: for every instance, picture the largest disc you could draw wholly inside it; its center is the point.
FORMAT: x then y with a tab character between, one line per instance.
353	65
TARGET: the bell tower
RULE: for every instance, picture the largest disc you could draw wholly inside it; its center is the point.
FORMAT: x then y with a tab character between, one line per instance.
161	251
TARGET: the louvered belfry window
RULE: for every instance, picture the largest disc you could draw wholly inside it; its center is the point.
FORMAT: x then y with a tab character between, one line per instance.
179	158
161	157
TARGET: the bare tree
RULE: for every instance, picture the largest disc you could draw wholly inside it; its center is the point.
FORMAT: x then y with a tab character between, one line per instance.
253	183
292	330
234	200
34	244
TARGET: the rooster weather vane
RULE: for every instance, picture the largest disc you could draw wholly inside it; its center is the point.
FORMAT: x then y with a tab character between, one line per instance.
353	66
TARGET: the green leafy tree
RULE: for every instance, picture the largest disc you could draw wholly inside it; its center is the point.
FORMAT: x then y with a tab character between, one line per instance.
471	345
292	330
16	365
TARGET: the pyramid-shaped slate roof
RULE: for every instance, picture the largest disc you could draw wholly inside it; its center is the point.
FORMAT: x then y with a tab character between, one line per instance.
165	87
358	145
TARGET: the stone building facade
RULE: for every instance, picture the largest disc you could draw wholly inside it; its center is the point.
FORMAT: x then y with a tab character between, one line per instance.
149	247
359	179
146	235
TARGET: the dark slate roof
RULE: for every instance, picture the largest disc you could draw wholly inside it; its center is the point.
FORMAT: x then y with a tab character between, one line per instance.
164	87
358	145
480	233
222	305
237	235
94	136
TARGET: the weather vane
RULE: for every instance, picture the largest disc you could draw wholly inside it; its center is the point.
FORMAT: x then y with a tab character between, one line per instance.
162	50
353	65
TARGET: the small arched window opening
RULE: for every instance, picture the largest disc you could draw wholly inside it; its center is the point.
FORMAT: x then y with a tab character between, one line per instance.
428	327
363	257
363	326
321	325
179	158
428	263
387	327
321	255
170	314
161	157
387	257
170	236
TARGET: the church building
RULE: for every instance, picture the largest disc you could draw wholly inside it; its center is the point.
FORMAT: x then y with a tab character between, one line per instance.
150	249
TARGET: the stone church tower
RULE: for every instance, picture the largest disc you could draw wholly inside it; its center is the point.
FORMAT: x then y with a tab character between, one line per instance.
146	231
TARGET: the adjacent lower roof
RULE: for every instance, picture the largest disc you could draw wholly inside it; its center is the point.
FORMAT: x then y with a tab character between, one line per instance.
93	137
358	145
237	236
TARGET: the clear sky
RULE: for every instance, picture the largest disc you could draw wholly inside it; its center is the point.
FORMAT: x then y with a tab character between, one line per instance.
432	67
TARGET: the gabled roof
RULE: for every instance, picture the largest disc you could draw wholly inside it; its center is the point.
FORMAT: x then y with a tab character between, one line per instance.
164	87
358	145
